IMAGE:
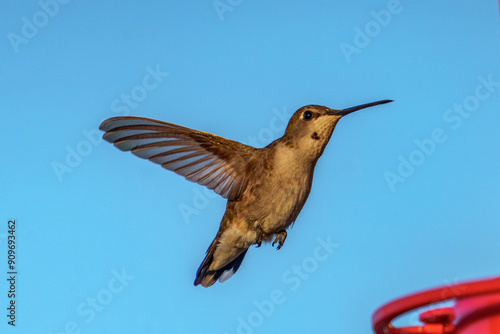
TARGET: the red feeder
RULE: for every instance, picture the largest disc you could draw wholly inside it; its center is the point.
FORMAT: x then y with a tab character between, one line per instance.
476	310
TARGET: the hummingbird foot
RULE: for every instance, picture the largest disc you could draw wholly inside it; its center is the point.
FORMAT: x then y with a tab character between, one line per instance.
280	239
259	237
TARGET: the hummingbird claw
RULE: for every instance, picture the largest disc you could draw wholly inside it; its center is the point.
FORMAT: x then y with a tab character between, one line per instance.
259	238
280	239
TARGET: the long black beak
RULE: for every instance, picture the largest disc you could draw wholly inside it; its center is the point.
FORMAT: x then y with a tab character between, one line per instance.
346	111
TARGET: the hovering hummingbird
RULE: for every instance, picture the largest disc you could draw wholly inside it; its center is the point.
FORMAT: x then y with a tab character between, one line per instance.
265	187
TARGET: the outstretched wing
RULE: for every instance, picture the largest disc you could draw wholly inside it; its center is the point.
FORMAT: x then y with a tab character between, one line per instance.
201	157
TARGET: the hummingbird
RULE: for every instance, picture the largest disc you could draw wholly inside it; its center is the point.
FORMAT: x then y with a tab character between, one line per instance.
265	188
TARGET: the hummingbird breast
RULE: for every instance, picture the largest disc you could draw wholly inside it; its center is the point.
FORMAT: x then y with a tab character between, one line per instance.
277	192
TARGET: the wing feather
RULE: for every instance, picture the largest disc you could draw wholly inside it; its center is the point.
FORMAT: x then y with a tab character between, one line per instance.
200	157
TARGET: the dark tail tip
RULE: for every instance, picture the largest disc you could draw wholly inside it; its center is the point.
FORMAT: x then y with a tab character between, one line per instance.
207	277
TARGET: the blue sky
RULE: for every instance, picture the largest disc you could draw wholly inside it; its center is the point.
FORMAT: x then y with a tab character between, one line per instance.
404	198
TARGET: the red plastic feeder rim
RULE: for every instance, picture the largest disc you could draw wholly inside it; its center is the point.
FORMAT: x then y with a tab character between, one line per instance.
476	310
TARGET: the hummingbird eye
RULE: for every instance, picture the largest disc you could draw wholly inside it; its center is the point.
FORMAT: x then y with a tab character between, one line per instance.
307	115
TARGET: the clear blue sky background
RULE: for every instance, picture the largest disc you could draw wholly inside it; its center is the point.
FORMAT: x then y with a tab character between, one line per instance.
403	218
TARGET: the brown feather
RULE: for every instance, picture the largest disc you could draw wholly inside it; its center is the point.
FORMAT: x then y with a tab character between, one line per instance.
200	157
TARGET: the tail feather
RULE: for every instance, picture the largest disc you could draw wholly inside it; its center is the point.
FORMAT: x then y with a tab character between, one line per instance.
207	277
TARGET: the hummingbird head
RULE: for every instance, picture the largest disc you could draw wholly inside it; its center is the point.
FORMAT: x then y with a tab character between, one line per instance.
311	127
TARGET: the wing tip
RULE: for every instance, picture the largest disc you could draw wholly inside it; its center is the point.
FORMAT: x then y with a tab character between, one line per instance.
106	125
